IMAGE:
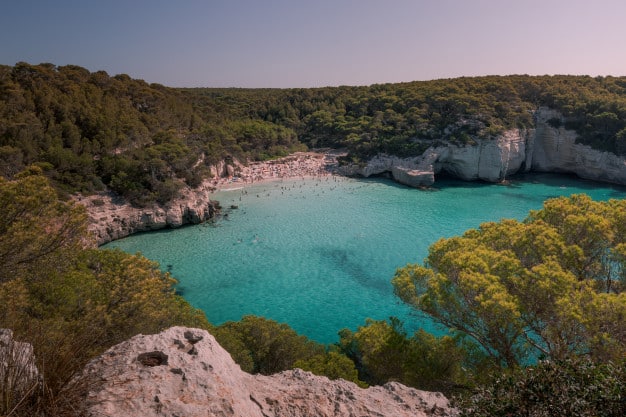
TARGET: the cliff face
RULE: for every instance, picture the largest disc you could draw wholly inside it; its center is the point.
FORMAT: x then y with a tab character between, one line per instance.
185	372
490	161
543	149
556	150
112	218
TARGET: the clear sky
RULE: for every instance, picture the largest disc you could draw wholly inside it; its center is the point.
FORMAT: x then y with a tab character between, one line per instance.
313	43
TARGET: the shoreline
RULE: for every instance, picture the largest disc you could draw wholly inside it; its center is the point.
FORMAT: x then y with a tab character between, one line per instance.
299	165
111	218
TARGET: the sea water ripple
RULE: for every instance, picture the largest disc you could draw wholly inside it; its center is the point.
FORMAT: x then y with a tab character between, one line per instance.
319	254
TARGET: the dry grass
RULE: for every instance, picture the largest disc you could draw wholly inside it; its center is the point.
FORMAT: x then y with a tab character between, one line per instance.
20	383
50	385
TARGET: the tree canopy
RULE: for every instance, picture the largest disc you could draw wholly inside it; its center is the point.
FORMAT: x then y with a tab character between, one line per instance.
70	302
548	287
89	130
404	118
382	351
143	141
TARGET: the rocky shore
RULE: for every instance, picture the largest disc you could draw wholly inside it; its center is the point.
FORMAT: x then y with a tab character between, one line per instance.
111	218
185	372
542	149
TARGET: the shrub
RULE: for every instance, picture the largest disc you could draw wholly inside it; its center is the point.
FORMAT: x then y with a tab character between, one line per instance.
573	387
264	346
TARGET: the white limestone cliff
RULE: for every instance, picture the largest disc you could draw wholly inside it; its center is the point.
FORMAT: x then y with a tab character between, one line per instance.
185	372
542	149
556	150
112	217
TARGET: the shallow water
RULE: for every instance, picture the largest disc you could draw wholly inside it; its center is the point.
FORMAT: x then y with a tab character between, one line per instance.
320	254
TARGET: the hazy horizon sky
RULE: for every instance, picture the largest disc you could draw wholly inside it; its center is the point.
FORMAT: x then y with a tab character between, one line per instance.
315	43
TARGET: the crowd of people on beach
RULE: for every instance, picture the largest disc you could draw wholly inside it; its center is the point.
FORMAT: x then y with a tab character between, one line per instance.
298	165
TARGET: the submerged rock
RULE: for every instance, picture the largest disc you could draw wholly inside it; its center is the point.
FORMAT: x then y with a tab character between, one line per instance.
185	372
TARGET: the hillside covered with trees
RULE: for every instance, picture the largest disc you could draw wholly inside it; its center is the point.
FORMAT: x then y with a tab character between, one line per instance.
535	308
88	131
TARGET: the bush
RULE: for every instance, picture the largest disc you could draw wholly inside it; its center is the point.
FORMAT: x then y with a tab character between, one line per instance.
332	364
260	345
384	352
574	387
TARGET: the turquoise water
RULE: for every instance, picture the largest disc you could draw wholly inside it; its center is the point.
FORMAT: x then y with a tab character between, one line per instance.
319	255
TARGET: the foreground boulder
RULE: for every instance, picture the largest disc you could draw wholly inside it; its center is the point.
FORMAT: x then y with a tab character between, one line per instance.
185	372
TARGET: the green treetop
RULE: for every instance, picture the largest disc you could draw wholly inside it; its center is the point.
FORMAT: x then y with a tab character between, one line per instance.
550	286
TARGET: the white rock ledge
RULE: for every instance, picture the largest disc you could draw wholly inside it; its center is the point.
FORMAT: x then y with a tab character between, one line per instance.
543	149
111	218
185	372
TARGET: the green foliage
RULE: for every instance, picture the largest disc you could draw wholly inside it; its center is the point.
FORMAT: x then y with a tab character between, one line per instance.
145	141
260	345
69	302
384	352
332	364
550	286
37	232
565	388
403	119
100	299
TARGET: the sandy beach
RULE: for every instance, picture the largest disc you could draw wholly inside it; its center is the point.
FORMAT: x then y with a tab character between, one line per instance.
298	165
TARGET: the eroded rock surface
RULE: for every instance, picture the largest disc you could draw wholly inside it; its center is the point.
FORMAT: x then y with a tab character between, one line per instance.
556	150
542	149
18	372
185	372
112	217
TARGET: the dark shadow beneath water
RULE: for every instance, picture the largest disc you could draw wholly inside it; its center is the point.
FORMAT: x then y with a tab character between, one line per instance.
343	261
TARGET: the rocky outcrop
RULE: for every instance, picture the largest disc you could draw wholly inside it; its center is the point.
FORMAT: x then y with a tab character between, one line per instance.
556	150
542	149
111	217
185	372
19	375
491	161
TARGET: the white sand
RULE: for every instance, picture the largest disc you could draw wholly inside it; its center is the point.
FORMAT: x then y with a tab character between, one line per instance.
298	165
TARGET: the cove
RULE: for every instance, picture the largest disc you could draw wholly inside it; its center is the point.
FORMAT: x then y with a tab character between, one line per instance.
319	254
